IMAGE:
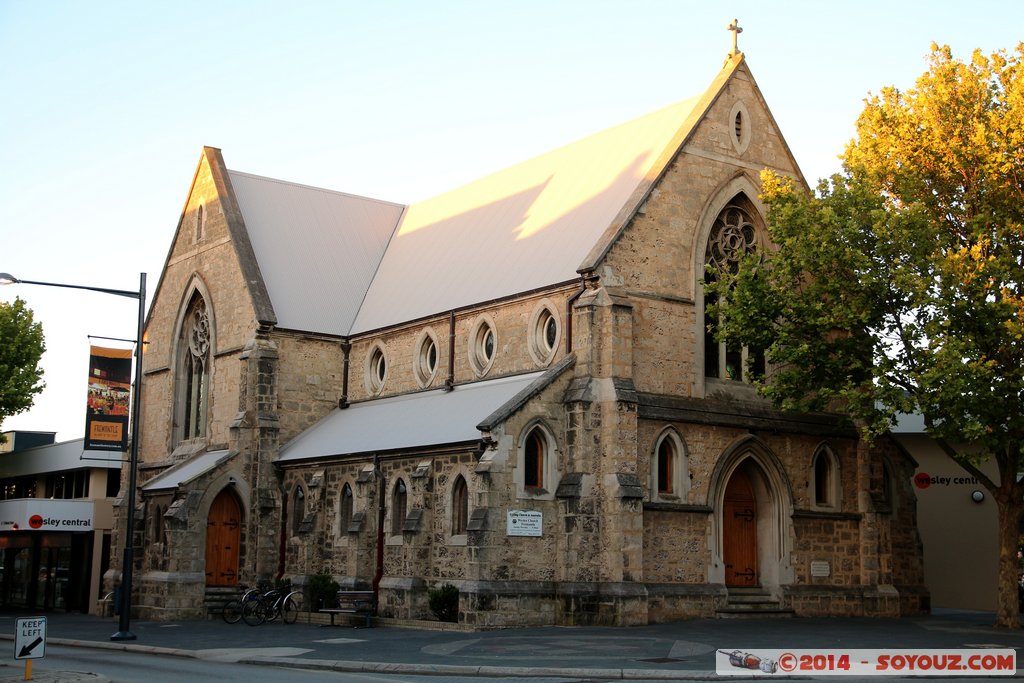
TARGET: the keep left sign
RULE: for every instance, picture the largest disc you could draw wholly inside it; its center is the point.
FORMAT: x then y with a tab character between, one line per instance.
30	637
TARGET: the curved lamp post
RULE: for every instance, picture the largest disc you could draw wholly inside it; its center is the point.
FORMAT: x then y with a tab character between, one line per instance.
123	632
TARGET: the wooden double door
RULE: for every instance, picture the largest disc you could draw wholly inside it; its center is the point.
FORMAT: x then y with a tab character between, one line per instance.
223	538
739	531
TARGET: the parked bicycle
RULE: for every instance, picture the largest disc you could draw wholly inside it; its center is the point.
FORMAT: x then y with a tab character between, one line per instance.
271	605
232	611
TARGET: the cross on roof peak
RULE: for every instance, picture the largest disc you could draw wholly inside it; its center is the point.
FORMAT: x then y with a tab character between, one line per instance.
736	31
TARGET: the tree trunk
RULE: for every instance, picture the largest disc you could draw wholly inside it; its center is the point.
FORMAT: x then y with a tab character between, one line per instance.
1010	510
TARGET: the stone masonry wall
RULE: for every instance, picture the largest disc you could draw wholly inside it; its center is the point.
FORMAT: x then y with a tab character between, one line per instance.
212	258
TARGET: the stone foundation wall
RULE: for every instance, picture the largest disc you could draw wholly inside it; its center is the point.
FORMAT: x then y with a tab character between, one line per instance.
842	601
166	596
671	601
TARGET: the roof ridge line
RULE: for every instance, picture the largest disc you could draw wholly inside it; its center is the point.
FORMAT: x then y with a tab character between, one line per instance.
315	187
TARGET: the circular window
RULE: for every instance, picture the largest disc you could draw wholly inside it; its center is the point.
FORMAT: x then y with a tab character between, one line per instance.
376	369
426	358
544	332
732	236
483	346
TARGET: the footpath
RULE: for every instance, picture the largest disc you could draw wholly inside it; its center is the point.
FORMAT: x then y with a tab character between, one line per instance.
684	649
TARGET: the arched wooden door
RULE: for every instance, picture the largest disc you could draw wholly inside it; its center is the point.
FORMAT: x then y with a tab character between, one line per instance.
223	537
739	531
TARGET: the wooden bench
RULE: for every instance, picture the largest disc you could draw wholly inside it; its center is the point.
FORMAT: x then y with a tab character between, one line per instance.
353	602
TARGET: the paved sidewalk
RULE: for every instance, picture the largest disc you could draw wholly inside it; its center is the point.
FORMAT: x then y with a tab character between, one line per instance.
663	651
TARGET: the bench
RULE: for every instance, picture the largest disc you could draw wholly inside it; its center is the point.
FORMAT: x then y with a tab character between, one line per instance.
353	602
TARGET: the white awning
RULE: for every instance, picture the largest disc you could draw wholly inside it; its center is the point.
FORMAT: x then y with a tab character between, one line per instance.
429	418
188	470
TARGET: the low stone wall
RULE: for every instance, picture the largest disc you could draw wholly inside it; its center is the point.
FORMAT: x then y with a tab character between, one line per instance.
672	602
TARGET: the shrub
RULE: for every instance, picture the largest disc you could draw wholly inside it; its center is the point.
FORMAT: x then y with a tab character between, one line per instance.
444	602
322	589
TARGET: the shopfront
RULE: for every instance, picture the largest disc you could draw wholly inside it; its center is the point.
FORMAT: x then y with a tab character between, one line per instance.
53	553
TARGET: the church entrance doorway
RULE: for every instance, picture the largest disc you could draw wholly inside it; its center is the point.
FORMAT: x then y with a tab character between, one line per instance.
223	537
739	531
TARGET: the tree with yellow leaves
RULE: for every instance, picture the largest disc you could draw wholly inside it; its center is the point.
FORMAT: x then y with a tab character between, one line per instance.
898	286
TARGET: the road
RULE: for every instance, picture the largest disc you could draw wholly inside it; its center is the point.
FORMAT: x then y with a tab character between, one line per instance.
136	667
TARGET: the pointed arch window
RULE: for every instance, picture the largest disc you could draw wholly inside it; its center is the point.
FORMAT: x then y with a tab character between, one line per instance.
534	454
670	472
733	235
298	508
399	502
824	480
666	465
460	506
345	509
194	370
200	226
157	531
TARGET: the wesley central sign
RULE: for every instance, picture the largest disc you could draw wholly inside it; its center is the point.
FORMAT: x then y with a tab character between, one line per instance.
28	514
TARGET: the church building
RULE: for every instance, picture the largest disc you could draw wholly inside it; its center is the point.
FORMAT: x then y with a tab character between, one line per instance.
510	388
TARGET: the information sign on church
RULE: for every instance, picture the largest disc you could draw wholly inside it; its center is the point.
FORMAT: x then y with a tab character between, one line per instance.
525	523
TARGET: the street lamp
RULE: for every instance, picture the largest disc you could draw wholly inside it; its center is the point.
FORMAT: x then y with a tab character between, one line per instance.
133	455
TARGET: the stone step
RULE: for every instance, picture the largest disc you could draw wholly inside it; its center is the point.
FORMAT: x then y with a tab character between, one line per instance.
750	598
216	597
752	602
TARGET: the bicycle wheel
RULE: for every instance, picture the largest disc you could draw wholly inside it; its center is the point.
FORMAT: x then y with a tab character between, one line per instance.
290	610
254	612
272	612
232	612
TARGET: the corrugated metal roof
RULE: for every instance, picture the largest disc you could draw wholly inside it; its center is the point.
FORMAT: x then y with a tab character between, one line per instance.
68	455
317	249
526	227
428	418
187	471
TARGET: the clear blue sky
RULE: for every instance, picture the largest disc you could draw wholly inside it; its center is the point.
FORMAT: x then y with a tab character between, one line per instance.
104	107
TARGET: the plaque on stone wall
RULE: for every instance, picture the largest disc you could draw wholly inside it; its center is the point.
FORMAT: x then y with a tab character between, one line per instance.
524	523
820	568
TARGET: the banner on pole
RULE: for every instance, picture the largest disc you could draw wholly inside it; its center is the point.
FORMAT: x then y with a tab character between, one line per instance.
106	418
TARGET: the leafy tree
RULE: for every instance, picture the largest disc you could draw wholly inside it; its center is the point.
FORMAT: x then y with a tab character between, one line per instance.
898	286
21	347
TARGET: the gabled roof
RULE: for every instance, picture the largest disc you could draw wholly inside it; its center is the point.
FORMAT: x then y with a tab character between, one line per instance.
340	264
317	250
520	229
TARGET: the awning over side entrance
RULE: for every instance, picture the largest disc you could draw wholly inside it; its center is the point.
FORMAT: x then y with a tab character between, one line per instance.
429	418
187	471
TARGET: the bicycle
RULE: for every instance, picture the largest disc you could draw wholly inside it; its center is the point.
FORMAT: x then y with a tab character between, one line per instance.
232	611
272	604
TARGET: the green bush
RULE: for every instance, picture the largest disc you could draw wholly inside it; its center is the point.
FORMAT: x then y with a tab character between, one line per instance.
444	602
322	590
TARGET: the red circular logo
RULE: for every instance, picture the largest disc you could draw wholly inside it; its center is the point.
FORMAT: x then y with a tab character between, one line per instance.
787	661
922	480
35	521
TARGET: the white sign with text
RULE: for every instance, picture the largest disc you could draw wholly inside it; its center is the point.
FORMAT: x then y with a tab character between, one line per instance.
525	523
29	637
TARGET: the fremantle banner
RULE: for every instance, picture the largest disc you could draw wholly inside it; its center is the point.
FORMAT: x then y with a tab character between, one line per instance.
106	419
